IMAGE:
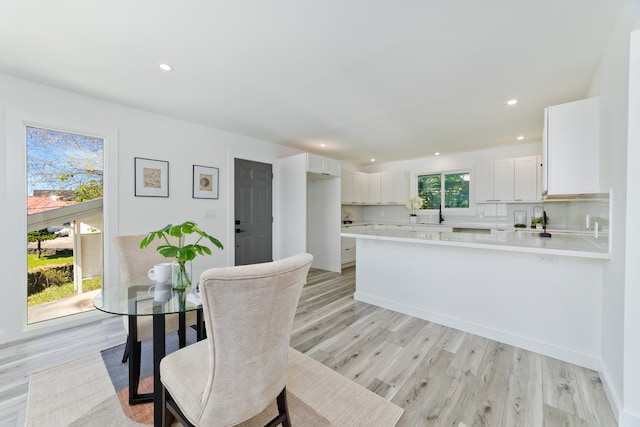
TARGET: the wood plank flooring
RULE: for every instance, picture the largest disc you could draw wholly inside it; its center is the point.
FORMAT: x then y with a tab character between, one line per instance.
440	376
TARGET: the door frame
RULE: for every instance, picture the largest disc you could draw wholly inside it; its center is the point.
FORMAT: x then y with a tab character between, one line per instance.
231	156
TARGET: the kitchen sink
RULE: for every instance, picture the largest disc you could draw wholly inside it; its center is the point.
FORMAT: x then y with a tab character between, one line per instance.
471	230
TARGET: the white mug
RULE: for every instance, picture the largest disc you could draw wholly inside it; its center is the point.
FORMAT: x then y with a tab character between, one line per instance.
161	292
160	273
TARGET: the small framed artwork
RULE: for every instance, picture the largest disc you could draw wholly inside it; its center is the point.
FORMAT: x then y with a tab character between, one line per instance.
205	182
151	178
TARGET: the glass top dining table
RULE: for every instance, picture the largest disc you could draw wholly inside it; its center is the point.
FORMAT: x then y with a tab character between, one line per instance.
144	298
141	297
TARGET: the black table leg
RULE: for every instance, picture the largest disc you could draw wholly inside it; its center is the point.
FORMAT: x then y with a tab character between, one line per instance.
200	325
182	326
133	349
159	349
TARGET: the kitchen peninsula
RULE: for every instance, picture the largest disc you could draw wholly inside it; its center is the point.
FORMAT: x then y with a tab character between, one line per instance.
541	294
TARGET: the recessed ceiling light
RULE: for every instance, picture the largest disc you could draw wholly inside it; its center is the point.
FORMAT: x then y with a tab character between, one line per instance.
373	160
512	102
165	67
520	138
437	153
323	145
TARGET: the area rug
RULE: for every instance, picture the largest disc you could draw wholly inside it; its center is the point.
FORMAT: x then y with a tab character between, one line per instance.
82	393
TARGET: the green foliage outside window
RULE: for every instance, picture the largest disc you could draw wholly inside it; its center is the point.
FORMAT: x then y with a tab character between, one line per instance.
454	186
430	188
456	190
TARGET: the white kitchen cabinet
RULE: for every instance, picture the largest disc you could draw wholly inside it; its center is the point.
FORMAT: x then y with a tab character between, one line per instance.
346	186
374	181
503	180
525	178
353	187
348	244
386	188
571	148
360	188
322	165
493	180
348	250
507	180
394	187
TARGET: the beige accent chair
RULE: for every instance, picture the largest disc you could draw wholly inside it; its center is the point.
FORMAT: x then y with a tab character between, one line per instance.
135	263
241	367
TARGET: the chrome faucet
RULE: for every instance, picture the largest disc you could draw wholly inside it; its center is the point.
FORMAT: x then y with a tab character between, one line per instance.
441	218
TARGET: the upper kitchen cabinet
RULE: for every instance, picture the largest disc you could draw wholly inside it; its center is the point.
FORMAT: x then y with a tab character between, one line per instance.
570	154
374	185
493	180
394	187
507	180
322	165
526	178
354	187
380	188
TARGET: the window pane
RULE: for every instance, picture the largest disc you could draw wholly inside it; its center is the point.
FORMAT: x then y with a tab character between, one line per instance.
429	188
456	190
64	259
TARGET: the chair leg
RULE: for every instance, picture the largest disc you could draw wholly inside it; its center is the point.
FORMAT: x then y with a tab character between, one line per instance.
125	354
170	410
167	417
283	407
283	411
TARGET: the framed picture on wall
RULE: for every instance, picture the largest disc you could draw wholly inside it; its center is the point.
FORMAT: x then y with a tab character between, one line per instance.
151	177
205	182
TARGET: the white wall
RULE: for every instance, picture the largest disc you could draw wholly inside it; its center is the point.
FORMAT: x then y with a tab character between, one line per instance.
620	311
138	134
293	205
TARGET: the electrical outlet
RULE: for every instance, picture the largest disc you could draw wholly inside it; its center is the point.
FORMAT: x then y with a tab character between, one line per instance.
209	213
547	259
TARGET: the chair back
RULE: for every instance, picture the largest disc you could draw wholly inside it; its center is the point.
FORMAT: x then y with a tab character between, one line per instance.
248	314
134	261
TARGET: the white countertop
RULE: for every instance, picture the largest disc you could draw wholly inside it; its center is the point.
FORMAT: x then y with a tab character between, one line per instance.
560	244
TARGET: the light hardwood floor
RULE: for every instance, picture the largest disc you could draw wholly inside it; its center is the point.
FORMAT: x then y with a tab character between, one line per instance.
440	376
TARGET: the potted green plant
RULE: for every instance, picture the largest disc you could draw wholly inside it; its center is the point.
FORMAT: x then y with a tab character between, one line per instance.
181	253
538	220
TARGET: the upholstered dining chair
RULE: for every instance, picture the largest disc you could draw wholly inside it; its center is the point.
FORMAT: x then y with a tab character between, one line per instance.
241	367
135	263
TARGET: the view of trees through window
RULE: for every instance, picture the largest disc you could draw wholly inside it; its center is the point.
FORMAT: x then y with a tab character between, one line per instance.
63	169
454	186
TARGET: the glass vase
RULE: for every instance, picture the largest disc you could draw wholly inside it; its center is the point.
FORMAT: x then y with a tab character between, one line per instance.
181	275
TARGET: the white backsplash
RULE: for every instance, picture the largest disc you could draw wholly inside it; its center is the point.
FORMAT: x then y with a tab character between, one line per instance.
563	215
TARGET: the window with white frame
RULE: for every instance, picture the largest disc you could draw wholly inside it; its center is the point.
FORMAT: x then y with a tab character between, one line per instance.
453	187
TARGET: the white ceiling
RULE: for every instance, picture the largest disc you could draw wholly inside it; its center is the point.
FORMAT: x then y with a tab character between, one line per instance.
386	79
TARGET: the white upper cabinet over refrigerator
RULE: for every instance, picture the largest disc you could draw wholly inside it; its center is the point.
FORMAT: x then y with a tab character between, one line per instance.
322	165
570	153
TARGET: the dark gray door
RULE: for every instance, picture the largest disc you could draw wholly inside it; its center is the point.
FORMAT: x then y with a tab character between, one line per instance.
253	214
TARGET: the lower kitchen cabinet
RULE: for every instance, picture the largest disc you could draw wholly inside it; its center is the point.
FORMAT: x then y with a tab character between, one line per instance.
348	244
